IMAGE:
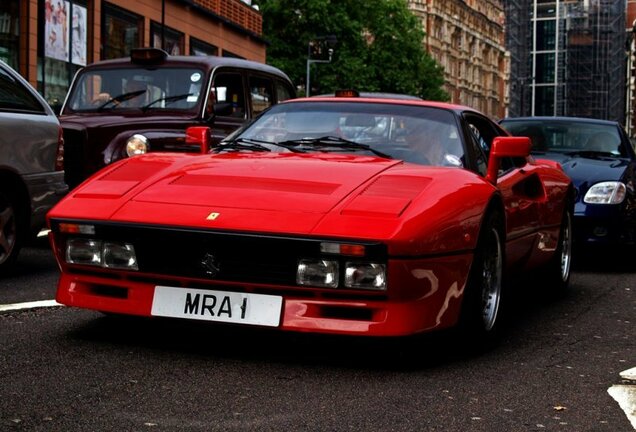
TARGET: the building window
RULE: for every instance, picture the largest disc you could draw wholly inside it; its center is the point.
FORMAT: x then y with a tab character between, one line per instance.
172	39
121	32
546	10
227	53
546	35
544	68
544	101
200	48
9	32
64	45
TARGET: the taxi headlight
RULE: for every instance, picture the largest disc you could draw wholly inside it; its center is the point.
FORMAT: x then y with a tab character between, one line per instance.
319	273
365	275
606	193
93	252
137	145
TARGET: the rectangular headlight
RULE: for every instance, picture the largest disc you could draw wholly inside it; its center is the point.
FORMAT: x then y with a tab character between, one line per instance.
319	273
84	251
365	275
101	254
120	256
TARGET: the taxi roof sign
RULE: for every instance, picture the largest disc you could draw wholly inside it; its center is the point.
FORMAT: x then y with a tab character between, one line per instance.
347	93
148	55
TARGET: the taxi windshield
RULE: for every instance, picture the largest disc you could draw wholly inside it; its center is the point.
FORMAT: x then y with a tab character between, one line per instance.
137	89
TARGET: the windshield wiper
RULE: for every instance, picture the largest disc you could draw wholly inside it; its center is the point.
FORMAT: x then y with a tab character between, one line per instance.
244	144
334	142
121	98
168	99
590	153
253	143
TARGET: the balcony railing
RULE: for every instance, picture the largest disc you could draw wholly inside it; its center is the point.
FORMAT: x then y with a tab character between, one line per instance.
237	12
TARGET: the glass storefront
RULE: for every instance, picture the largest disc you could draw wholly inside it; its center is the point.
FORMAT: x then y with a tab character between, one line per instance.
10	32
63	45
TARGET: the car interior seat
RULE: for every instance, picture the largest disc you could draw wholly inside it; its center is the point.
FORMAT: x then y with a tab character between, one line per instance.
602	142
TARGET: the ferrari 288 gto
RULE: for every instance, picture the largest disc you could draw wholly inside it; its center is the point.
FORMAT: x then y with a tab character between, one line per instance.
357	216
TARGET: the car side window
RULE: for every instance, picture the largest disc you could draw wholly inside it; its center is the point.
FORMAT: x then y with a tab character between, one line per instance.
483	132
15	97
261	94
228	90
283	92
480	155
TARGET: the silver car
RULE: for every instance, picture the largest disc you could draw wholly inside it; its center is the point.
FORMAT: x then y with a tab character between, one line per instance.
31	163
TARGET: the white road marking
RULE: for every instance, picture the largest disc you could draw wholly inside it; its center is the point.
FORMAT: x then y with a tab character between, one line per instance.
29	305
625	394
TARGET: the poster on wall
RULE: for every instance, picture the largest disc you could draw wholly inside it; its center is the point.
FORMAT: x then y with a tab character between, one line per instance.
56	29
78	51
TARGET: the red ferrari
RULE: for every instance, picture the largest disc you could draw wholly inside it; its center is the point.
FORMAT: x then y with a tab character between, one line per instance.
359	216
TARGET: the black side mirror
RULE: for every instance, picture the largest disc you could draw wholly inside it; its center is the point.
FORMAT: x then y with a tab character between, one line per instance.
223	109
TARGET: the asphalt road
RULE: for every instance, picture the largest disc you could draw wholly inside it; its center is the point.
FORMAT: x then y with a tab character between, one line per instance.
66	369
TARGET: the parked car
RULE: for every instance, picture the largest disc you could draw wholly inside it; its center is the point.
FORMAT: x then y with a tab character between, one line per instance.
328	215
600	159
31	163
152	101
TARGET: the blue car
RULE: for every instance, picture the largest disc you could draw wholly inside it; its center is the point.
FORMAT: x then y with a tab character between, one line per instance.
600	160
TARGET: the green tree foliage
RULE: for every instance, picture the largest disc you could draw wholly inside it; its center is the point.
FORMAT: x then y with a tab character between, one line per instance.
379	46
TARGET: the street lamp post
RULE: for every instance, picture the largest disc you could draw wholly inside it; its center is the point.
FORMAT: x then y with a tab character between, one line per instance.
316	46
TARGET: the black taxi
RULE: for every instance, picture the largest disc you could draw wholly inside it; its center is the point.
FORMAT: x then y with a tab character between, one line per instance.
152	101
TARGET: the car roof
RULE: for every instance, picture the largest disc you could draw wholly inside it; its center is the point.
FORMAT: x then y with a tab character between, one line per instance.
209	62
560	118
385	100
380	95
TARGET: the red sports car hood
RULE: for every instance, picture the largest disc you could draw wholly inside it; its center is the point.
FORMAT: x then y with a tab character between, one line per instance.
265	183
306	194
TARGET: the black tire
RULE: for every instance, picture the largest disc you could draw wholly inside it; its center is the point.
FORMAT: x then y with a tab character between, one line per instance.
10	232
557	271
481	309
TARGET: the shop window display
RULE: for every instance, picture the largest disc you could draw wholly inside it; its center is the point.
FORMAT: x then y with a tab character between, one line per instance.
9	32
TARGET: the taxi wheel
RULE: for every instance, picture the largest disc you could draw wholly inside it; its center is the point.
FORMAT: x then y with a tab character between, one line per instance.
10	236
481	306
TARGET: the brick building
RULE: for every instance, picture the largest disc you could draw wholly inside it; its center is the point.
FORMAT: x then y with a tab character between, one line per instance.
48	40
467	38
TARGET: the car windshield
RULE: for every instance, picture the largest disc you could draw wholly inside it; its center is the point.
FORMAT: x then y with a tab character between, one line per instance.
417	134
570	137
137	89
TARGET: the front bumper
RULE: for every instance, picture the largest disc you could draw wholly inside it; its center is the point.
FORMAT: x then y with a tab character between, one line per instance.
604	227
424	294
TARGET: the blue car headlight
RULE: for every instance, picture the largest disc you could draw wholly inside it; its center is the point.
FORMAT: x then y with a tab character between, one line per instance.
610	192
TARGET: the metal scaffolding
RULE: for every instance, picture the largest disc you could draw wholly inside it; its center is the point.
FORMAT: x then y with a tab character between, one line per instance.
589	57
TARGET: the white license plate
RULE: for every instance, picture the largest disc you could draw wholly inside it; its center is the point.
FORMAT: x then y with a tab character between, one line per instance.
207	305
